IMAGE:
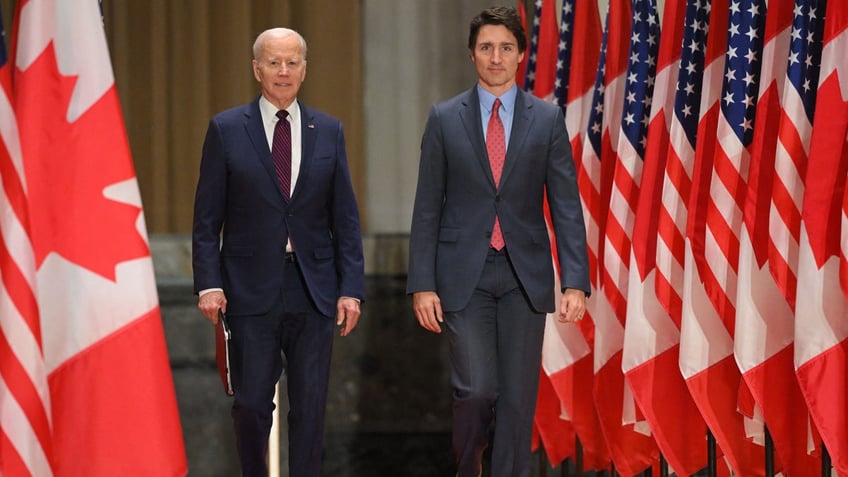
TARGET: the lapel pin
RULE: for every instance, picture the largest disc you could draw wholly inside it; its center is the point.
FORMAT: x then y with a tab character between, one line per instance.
310	126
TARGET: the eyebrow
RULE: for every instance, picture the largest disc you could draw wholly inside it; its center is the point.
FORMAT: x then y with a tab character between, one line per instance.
490	43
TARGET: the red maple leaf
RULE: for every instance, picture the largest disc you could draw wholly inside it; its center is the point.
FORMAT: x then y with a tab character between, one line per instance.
68	166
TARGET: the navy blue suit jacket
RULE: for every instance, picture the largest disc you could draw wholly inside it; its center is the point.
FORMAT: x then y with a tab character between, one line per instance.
241	221
456	201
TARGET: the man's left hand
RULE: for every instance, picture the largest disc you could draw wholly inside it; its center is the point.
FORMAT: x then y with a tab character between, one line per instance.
347	314
573	305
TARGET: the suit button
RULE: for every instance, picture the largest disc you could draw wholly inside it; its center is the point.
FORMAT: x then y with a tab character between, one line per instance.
497	198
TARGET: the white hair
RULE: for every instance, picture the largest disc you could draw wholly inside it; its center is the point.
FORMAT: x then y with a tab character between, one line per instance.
276	33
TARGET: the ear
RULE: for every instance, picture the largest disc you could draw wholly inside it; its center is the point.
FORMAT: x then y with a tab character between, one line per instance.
255	66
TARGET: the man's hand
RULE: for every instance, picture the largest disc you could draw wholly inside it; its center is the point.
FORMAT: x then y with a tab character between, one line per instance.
347	314
210	303
572	306
428	310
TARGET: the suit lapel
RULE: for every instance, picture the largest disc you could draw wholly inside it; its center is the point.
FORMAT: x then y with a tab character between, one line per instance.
522	122
256	133
308	134
469	115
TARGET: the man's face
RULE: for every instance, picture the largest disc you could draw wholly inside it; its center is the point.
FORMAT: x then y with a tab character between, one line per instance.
496	58
280	69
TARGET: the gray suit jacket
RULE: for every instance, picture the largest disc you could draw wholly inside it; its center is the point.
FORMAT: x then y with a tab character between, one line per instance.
456	201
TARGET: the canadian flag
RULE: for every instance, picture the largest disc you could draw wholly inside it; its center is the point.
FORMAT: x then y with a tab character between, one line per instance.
821	312
108	407
651	334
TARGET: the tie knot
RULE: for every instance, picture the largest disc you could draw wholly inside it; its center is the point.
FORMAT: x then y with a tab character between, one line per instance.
282	114
495	106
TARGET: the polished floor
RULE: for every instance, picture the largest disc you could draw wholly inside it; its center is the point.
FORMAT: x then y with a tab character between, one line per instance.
378	455
388	411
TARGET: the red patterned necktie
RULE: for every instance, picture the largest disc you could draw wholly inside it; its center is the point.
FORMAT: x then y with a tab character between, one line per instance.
496	148
281	151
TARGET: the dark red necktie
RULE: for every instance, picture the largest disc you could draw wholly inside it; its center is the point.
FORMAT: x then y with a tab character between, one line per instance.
496	148
281	151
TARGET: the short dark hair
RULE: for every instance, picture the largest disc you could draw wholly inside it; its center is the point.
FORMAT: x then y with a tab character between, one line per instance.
500	15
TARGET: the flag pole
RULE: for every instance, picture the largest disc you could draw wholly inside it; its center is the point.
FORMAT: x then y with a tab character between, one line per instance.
274	439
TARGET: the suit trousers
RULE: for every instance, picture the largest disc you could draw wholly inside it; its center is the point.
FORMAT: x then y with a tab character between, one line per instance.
295	328
496	350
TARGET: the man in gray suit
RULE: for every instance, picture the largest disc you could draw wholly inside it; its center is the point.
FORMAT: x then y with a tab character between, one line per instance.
480	255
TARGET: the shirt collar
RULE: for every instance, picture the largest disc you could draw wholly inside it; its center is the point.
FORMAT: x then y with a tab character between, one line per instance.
269	111
487	99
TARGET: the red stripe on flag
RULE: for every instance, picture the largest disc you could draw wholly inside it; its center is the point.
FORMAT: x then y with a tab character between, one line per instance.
11	462
25	445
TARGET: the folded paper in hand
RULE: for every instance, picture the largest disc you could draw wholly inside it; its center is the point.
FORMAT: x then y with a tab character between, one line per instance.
222	351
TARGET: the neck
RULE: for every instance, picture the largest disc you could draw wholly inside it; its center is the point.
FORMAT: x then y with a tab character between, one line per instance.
498	91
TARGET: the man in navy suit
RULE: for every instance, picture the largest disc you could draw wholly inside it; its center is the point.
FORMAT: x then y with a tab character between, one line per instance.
480	256
277	246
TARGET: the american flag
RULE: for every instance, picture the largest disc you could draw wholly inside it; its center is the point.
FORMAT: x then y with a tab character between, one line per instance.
796	128
632	448
677	178
564	50
729	158
764	315
639	79
25	427
533	48
677	181
641	75
713	223
729	174
542	54
718	258
651	337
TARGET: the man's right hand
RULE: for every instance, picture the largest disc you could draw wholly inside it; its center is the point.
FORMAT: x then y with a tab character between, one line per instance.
210	303
428	310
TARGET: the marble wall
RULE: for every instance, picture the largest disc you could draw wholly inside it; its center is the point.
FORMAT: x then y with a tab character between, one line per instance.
415	54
